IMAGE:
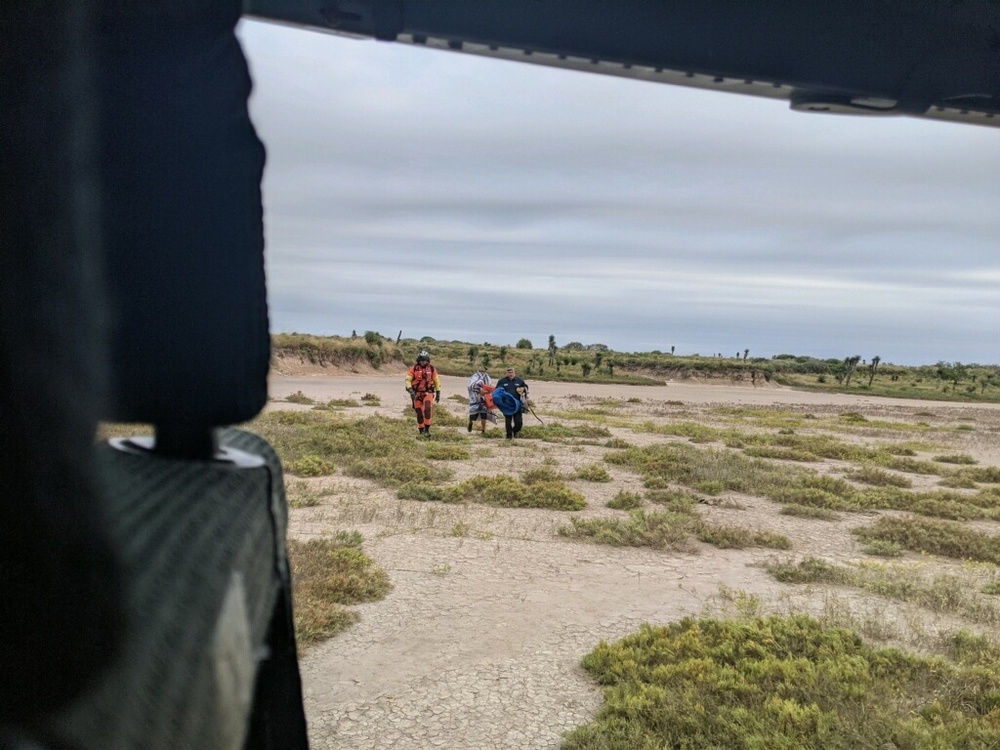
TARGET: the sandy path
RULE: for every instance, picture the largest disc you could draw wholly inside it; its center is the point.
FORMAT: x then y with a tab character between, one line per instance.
479	643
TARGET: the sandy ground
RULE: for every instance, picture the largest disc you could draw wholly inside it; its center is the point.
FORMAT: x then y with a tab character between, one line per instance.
479	643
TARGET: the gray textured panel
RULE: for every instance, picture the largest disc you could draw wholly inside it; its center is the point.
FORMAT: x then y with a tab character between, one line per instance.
185	528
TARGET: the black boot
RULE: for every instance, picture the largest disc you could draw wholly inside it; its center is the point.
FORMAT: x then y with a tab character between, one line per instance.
470	426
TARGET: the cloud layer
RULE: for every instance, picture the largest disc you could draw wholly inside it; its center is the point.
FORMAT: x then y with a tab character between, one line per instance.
461	198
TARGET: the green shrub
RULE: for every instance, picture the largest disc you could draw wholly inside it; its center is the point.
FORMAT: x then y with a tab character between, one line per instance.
664	530
310	466
806	511
781	682
593	473
507	492
625	501
956	458
328	573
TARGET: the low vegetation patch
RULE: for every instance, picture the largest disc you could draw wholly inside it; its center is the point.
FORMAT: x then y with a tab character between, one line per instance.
340	403
560	433
694	467
593	473
626	501
944	593
299	398
680	501
304	494
808	511
387	451
980	474
661	530
326	575
310	466
879	477
501	490
934	537
738	537
956	458
782	682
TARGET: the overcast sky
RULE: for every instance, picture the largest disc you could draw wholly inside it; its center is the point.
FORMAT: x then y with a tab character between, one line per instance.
461	198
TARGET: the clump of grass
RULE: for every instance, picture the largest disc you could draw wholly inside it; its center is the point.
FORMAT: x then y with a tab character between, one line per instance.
956	458
339	403
852	417
694	431
780	682
310	466
943	593
738	537
560	433
945	538
371	399
394	471
711	487
617	444
966	428
679	501
780	453
883	548
593	473
662	530
299	398
958	482
625	501
302	494
423	492
327	574
505	491
982	474
809	570
376	448
813	497
878	477
444	451
708	470
807	511
538	474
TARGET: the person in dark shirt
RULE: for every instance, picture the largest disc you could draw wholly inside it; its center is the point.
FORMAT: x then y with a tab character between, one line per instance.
516	387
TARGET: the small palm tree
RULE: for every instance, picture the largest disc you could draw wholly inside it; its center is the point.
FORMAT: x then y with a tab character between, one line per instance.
872	368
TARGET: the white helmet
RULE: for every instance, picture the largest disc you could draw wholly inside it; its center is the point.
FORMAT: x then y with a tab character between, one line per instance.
423	357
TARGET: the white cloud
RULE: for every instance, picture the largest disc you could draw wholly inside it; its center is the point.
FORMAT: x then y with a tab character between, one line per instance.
503	200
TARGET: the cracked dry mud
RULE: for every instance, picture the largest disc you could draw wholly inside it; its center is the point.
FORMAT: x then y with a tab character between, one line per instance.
478	645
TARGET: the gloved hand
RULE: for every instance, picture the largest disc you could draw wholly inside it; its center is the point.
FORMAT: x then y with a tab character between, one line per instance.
437	397
412	392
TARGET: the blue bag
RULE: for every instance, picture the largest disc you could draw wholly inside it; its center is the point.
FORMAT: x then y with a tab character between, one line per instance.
507	403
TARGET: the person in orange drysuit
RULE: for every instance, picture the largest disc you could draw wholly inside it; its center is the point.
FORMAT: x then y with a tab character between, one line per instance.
424	387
